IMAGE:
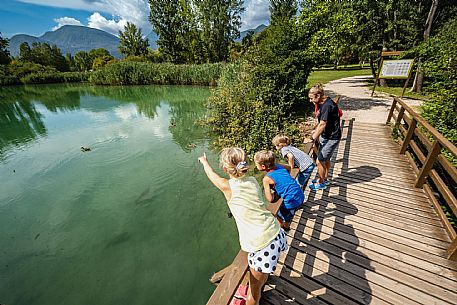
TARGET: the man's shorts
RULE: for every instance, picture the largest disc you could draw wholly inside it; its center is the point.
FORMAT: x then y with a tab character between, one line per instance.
266	259
326	149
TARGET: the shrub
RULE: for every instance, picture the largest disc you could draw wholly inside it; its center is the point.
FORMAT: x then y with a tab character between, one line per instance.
144	73
440	64
56	77
258	96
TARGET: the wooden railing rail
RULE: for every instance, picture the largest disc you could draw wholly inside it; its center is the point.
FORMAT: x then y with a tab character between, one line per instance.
424	151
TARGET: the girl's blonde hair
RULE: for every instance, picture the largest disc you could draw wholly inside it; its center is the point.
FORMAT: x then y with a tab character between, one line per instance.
280	139
265	157
233	159
317	89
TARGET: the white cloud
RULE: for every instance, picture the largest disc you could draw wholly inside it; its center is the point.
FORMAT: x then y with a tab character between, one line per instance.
112	26
256	12
65	21
135	11
73	4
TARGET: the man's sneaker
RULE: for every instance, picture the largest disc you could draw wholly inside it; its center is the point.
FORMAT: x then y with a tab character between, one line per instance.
317	186
326	181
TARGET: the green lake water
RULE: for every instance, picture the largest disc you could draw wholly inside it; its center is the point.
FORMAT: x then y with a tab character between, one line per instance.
133	221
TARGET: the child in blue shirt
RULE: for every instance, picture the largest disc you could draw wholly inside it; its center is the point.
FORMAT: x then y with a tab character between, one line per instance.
278	178
295	157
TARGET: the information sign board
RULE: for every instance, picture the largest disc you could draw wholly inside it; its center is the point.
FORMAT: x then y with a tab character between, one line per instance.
396	68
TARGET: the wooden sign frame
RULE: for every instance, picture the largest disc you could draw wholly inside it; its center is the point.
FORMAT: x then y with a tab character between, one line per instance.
394	63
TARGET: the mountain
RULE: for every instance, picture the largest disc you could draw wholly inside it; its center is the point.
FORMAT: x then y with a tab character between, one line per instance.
16	41
258	29
71	39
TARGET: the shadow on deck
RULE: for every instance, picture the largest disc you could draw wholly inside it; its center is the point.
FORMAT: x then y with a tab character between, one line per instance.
370	238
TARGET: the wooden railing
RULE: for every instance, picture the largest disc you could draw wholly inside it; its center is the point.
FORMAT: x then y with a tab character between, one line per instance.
424	147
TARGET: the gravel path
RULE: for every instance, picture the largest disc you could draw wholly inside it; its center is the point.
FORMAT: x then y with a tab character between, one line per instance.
356	100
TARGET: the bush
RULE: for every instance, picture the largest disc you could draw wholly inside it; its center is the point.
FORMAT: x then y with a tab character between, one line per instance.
258	96
57	77
144	73
440	64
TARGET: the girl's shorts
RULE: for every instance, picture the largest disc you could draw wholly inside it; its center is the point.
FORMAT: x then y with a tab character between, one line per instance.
266	259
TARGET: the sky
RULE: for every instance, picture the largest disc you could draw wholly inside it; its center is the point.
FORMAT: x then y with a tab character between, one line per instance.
35	17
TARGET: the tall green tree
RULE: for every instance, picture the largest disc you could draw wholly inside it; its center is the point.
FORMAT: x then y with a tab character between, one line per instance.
219	21
172	21
281	10
4	53
132	42
44	54
83	61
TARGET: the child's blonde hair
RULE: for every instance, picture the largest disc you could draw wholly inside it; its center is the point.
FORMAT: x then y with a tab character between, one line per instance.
280	139
266	158
317	89
233	159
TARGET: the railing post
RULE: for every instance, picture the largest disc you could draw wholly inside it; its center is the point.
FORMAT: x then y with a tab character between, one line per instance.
400	116
391	112
428	164
452	250
408	136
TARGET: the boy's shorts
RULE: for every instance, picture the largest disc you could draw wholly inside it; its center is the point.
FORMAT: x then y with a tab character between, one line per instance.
266	259
285	213
303	177
326	149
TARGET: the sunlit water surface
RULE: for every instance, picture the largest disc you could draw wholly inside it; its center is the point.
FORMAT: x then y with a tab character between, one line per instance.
133	221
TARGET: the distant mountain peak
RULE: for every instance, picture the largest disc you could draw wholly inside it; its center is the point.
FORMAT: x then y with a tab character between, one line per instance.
71	39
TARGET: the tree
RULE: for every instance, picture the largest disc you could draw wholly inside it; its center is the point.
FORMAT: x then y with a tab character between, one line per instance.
25	52
196	31
172	25
4	53
219	21
281	10
44	54
132	42
419	78
83	61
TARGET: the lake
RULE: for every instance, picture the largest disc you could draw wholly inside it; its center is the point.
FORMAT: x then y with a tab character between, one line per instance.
132	221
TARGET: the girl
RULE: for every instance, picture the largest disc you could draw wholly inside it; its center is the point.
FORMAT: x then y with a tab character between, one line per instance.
259	233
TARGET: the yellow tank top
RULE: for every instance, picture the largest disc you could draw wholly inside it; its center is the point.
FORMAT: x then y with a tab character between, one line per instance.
257	227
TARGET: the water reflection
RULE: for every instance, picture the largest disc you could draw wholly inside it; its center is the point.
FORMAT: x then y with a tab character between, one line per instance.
21	121
128	221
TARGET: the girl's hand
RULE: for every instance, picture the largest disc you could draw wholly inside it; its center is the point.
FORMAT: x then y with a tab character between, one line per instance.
203	159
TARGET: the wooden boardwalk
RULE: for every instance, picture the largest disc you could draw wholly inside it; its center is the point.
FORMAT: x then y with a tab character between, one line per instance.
370	238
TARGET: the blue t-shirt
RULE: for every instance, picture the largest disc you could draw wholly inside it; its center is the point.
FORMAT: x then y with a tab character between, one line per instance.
286	186
328	111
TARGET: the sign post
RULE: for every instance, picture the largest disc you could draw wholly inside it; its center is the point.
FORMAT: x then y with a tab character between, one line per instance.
394	69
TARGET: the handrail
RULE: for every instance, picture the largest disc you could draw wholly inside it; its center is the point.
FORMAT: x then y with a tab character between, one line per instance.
424	165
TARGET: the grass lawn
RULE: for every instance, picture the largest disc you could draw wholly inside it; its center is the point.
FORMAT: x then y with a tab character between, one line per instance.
326	75
398	90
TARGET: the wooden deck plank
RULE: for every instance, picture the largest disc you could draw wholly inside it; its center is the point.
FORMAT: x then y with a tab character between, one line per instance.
374	261
372	280
370	237
368	216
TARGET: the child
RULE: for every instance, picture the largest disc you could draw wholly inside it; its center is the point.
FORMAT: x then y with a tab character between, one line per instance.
283	183
259	233
295	158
